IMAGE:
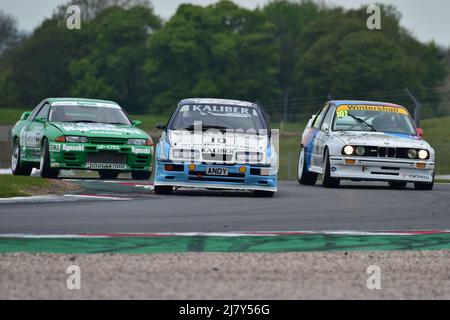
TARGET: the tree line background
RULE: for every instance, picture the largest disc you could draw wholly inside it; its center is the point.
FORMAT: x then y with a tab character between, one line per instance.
289	56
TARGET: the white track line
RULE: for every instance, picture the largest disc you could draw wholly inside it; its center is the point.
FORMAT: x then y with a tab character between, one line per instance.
224	234
87	196
34	199
63	198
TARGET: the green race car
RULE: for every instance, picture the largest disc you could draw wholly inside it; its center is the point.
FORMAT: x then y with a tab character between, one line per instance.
80	134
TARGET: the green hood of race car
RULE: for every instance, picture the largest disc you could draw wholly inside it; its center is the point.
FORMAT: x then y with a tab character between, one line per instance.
100	130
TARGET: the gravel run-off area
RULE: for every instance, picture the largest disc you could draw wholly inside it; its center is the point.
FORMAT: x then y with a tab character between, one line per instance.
331	275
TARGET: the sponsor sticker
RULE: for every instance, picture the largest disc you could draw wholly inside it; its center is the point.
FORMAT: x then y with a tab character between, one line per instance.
221	110
71	148
136	150
85	104
54	147
110	166
420	177
342	111
218	150
108	148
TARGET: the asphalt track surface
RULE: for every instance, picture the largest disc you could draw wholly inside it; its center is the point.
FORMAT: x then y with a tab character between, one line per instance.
355	207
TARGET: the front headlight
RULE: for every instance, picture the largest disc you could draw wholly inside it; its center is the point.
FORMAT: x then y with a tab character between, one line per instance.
348	150
423	154
76	139
360	151
186	154
140	142
412	153
249	157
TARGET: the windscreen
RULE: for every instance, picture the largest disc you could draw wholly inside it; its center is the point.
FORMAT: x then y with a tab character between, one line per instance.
88	114
373	118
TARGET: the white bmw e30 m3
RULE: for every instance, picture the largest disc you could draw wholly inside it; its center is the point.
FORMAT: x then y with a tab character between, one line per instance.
365	141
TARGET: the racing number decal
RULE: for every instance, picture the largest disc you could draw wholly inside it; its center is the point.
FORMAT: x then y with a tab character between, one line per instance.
341	113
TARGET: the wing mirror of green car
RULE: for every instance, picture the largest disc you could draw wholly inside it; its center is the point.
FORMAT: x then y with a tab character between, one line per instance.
25	115
137	123
161	126
40	120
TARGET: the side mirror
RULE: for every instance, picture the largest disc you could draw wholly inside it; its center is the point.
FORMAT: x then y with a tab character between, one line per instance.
25	116
161	126
40	120
310	122
420	132
137	123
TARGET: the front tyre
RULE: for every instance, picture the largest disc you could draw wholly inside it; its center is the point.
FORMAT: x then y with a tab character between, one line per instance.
328	180
424	186
303	175
141	175
398	185
263	194
44	165
164	190
18	169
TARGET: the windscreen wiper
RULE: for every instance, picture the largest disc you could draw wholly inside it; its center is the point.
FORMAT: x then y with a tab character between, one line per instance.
362	121
83	121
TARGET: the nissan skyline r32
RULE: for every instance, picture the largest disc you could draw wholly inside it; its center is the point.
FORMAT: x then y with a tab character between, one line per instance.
365	141
216	144
80	134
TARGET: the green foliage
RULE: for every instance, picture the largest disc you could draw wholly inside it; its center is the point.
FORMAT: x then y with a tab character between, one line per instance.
290	20
345	59
297	49
8	90
214	51
112	68
38	66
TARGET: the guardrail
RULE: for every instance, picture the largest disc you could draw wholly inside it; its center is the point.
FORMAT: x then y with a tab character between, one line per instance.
5	146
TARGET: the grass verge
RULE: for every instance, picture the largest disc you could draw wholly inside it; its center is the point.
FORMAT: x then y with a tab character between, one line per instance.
14	186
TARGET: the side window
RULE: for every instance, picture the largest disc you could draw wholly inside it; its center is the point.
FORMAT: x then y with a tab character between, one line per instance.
328	119
43	113
35	111
319	117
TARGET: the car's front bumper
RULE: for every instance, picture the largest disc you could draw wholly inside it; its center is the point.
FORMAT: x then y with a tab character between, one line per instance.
381	169
251	179
76	156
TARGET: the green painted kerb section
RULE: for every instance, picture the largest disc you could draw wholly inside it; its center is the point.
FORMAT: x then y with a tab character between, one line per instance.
297	243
